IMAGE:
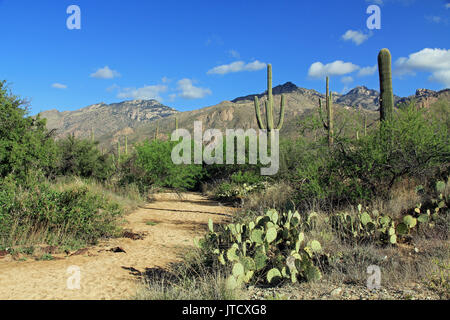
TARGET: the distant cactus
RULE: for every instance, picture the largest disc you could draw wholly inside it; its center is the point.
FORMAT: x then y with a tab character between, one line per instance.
156	131
365	125
126	145
92	135
386	92
118	150
269	107
176	123
329	124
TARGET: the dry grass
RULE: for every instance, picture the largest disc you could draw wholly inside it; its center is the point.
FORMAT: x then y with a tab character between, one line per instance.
189	280
128	197
403	198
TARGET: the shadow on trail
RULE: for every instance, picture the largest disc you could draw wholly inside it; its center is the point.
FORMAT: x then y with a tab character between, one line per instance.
189	211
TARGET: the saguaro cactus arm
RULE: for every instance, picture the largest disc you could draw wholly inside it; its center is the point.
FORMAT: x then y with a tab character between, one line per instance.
258	114
324	123
282	105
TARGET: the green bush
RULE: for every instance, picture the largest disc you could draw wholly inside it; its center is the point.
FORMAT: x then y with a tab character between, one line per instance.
410	145
154	157
414	144
25	144
74	215
82	158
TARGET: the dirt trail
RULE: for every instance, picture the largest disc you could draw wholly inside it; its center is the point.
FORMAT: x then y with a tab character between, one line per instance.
169	225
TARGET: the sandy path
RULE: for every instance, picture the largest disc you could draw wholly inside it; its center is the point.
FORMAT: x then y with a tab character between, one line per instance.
108	275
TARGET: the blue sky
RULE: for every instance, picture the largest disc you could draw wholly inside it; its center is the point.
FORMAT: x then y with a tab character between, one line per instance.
192	54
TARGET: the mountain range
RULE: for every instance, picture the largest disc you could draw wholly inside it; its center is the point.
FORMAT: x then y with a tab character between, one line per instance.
139	119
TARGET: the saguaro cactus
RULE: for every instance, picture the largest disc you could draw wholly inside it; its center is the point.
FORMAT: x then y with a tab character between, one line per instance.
386	93
118	150
269	107
365	124
329	124
156	130
92	135
176	123
126	145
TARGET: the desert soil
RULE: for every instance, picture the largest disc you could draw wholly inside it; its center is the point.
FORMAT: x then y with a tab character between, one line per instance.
163	230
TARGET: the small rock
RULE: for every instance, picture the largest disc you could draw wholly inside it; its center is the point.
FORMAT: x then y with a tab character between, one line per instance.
336	292
80	252
117	250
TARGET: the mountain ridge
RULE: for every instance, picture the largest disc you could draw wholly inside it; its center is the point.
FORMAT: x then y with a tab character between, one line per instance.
136	118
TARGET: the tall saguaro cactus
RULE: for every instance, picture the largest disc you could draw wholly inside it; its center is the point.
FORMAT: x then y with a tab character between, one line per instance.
269	107
118	150
156	131
386	92
176	123
329	125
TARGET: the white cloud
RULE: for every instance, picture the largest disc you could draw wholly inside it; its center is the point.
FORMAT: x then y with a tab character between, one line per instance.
172	97
336	68
447	6
189	91
442	76
367	71
234	54
435	19
237	66
59	86
436	61
347	79
144	93
105	73
113	87
214	40
356	36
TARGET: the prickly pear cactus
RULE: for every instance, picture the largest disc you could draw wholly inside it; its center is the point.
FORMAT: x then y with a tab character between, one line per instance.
271	247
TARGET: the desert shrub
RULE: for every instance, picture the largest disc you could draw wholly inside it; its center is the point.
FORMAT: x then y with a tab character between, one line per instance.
82	158
73	215
25	144
409	146
129	172
154	157
415	144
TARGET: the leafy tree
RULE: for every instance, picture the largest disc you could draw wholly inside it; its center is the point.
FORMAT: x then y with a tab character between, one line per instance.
26	146
81	157
420	142
155	158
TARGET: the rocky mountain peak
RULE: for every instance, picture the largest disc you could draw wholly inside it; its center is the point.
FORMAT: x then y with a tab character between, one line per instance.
424	93
284	88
